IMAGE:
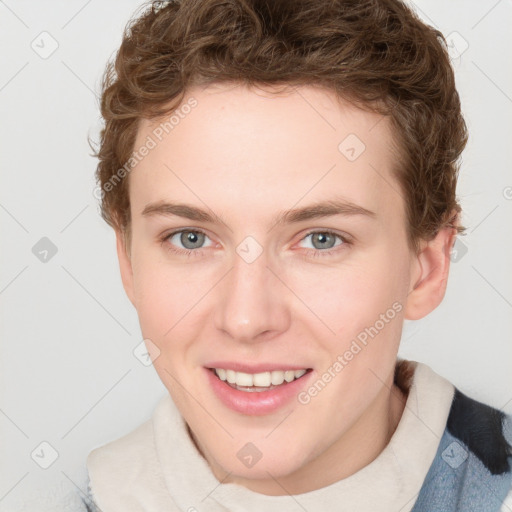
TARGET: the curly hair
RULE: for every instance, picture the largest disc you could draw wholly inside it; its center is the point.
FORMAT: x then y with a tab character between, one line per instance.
377	54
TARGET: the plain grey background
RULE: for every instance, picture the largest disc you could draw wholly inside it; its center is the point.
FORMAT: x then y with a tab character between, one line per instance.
69	376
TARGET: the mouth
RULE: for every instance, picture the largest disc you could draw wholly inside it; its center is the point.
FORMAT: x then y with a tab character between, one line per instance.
257	393
258	382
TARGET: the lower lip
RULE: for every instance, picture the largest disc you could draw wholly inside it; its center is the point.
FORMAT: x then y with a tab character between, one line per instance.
256	403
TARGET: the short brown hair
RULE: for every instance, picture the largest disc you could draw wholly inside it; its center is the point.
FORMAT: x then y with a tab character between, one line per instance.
377	54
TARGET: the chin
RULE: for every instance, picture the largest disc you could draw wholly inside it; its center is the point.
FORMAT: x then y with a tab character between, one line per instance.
276	463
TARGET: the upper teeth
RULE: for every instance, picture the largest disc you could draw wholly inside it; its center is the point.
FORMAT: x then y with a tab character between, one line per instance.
263	379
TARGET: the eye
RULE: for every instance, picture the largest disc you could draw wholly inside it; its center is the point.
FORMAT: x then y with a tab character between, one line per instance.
190	239
323	242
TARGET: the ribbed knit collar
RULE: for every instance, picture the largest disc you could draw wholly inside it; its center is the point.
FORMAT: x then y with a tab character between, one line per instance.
172	471
390	482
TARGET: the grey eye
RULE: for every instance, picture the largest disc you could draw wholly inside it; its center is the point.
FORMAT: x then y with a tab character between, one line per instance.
323	240
190	239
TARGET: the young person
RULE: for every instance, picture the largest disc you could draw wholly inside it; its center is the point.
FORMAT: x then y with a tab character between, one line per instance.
281	177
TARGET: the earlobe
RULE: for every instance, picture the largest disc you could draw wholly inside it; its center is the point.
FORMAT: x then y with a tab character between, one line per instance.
125	266
429	282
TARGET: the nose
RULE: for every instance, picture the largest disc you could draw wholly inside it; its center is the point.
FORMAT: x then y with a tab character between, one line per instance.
252	303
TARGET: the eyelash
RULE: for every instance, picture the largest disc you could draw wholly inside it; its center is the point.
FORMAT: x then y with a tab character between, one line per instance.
316	253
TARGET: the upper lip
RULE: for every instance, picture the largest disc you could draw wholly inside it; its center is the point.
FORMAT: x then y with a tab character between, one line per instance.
254	368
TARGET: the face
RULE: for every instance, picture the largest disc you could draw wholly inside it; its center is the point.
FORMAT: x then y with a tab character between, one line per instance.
231	266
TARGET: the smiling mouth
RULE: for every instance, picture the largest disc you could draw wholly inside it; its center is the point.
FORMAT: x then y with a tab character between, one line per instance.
258	382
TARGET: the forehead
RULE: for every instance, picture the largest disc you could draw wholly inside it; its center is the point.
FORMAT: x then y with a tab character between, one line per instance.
259	150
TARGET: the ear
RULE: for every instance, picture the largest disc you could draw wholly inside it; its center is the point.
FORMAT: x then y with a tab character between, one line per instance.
125	265
430	274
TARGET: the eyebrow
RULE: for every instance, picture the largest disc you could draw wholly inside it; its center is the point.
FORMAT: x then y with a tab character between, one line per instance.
321	209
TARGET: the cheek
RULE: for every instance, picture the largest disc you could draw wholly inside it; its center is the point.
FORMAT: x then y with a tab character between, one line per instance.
163	294
350	295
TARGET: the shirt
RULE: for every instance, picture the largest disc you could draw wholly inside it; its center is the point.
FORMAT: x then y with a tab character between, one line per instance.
448	453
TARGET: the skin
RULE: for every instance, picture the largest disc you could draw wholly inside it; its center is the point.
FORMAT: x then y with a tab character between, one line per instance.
246	155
